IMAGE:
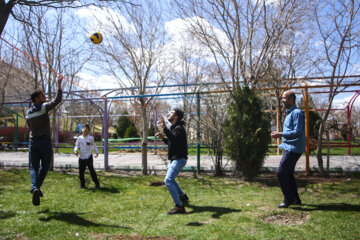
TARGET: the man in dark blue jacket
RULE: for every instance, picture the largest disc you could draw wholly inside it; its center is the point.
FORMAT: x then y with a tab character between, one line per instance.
293	145
177	154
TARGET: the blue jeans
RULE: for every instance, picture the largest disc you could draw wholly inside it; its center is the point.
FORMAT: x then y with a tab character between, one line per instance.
285	174
39	149
173	171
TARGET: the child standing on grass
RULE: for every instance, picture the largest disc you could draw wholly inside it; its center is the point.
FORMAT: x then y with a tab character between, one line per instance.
85	143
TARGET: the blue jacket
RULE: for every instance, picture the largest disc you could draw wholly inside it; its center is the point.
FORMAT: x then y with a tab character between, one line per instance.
293	135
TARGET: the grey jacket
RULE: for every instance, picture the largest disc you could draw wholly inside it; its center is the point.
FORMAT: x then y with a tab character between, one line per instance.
37	117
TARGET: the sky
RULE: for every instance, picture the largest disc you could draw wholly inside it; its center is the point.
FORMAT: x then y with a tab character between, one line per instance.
176	29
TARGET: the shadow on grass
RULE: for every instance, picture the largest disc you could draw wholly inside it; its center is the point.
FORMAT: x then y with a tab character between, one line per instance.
194	224
4	214
73	218
328	207
104	189
217	211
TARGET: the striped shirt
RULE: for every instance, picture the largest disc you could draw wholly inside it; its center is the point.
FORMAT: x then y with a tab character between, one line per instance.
37	117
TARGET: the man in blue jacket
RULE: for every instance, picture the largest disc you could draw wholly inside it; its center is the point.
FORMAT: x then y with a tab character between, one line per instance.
293	145
177	154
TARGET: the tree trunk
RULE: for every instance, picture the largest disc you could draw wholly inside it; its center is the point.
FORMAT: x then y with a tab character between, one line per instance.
144	141
5	10
328	152
218	163
319	150
53	129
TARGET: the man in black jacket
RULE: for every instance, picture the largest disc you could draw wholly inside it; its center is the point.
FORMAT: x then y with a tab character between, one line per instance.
177	154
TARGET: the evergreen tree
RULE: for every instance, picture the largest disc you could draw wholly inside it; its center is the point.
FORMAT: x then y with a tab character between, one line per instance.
151	129
123	123
246	132
131	132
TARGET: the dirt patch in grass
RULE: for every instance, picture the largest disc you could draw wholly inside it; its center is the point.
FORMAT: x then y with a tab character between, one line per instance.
131	237
286	219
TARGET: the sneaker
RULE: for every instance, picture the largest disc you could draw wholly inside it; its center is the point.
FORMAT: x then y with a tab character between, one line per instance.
41	194
284	205
36	197
81	187
184	198
297	201
177	209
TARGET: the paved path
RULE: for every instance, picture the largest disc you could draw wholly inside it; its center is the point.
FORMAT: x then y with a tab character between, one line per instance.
133	161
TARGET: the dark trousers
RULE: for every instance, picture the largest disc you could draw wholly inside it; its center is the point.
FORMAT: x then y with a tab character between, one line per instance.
83	163
40	151
285	175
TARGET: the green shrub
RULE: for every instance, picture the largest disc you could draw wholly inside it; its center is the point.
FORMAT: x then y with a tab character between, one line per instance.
131	131
123	123
246	132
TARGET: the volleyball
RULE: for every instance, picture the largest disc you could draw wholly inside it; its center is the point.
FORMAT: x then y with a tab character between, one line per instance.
96	38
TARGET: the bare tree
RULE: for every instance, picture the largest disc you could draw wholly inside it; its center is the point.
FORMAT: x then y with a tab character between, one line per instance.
188	69
338	24
13	80
134	56
212	122
241	36
7	7
47	40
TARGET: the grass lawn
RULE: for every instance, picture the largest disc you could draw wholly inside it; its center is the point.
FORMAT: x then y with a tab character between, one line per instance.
127	207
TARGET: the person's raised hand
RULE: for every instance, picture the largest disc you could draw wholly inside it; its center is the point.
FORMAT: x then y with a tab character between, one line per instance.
162	122
59	82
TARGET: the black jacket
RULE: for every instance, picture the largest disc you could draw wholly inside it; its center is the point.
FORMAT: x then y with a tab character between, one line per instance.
176	139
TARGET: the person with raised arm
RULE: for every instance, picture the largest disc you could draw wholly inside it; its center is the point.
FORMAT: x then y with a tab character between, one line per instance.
40	147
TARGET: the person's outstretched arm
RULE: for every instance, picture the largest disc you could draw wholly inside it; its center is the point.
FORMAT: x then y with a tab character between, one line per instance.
58	98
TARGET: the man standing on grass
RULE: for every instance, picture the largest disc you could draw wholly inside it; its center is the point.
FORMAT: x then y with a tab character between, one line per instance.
177	154
40	147
293	145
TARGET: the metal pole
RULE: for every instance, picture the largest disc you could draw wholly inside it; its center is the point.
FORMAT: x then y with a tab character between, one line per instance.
348	130
198	132
105	135
277	127
16	131
155	130
56	117
307	130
